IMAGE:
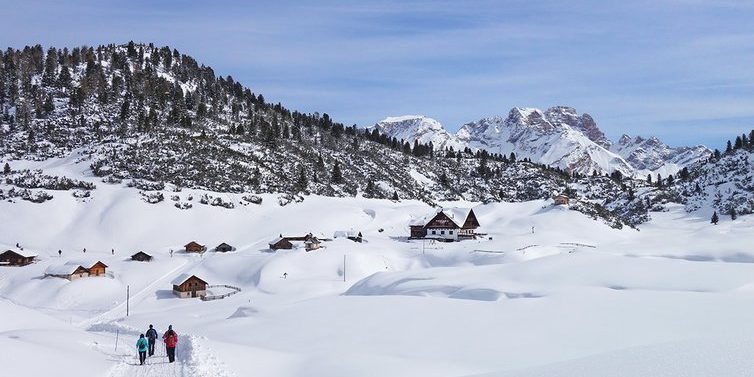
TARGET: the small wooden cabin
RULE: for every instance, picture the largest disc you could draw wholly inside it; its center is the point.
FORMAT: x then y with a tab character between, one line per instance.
560	200
97	269
224	248
141	257
280	243
195	247
17	257
312	244
185	286
67	271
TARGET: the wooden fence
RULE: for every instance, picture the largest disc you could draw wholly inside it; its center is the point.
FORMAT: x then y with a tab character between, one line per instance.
233	291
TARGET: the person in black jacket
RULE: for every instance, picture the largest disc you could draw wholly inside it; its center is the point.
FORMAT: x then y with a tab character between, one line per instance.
152	338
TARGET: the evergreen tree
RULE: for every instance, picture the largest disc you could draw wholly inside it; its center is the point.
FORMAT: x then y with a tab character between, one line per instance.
6	169
728	148
369	190
512	157
336	176
124	109
715	218
738	144
444	180
649	179
49	105
302	182
320	162
684	174
51	67
395	197
670	180
733	214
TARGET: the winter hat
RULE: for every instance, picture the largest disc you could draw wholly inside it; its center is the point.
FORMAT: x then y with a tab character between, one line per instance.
170	327
142	335
150	326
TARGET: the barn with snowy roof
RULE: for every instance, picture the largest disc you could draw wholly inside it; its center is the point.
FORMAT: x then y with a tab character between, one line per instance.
68	271
16	257
446	224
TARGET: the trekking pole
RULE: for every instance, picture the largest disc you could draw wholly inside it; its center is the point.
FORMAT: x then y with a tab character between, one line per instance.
117	333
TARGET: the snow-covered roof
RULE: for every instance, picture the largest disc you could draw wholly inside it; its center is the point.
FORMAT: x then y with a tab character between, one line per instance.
345	233
86	263
457	215
180	279
62	269
21	252
276	240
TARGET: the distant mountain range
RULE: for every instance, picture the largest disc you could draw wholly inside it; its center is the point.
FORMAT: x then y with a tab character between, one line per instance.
557	137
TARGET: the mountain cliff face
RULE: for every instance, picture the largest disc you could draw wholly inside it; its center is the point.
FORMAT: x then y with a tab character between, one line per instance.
417	128
652	155
557	137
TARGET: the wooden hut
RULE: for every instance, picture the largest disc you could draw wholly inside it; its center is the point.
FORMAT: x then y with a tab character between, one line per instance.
141	257
97	269
560	200
195	247
280	243
16	257
447	224
185	286
67	271
224	248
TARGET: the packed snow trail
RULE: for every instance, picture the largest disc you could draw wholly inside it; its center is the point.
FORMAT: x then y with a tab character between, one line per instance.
192	359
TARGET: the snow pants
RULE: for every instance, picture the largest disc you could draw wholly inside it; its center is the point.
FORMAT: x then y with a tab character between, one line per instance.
142	357
171	353
151	347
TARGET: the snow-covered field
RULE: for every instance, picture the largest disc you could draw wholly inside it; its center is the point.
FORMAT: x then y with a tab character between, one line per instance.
574	298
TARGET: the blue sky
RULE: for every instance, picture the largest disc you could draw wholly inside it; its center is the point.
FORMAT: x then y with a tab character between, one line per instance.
682	70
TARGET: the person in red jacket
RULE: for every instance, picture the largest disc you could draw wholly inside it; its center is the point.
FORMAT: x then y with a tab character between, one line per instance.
171	339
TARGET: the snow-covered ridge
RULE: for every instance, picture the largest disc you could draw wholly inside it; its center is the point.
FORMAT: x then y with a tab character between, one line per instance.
558	136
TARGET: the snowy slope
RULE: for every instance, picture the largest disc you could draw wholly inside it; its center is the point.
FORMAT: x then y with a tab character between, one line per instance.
572	294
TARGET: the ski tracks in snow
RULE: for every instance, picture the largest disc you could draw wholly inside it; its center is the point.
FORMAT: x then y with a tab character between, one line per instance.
193	359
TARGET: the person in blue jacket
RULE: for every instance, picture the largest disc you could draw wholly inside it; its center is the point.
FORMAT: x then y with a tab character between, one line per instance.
152	338
141	346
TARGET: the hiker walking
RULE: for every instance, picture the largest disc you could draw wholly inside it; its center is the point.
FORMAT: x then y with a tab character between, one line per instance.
141	346
84	250
152	339
60	253
113	251
171	339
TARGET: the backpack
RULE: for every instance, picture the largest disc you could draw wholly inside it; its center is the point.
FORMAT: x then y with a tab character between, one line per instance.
142	344
171	340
